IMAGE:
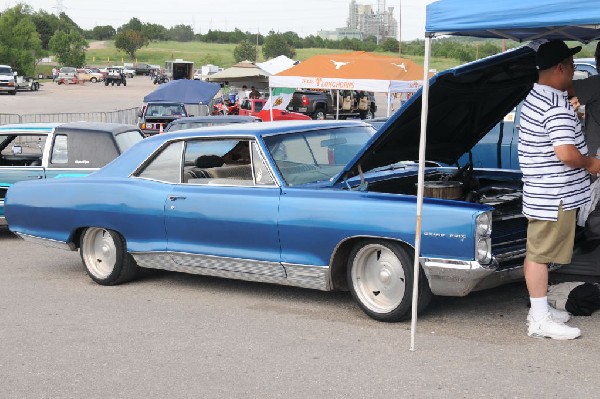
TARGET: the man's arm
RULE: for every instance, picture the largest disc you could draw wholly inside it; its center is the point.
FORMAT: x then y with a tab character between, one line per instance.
570	156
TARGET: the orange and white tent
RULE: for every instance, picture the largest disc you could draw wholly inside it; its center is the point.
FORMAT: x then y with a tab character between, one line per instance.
352	71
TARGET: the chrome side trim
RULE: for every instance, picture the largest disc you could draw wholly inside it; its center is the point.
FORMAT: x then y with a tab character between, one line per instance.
47	242
273	269
314	277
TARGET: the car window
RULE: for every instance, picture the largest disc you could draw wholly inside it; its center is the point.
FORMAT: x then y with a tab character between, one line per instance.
59	150
258	105
308	157
218	162
21	149
127	139
165	166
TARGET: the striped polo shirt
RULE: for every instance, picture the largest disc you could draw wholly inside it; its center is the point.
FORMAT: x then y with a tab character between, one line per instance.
548	120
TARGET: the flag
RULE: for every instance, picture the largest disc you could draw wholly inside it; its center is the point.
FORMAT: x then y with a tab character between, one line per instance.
280	99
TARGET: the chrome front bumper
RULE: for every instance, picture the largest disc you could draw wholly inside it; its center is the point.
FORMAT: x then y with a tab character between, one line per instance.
449	277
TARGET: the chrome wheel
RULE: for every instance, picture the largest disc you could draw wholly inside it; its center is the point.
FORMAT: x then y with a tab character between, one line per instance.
378	278
99	252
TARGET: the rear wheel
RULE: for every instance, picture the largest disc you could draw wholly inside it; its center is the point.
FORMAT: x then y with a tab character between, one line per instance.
105	257
319	115
380	278
93	80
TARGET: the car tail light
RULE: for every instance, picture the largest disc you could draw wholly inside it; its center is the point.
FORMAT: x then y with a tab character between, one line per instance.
305	101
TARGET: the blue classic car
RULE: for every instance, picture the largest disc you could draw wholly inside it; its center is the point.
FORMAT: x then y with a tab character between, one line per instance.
328	205
54	150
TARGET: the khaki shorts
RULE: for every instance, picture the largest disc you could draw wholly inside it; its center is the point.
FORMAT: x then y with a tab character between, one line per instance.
552	242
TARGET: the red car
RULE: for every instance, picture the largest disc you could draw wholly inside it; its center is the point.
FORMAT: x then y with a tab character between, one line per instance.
254	107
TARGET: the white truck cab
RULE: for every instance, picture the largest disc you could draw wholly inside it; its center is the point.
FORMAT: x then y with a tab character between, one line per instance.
7	80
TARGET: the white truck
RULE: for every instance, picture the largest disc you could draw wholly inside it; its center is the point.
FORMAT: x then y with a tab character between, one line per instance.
7	80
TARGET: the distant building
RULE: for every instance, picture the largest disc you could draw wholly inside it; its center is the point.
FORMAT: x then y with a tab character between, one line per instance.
363	21
340	33
379	23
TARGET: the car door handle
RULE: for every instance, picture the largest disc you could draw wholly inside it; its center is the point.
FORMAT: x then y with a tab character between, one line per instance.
36	176
175	198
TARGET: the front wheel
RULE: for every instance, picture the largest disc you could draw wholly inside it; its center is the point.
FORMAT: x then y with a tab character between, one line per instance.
105	257
380	278
93	80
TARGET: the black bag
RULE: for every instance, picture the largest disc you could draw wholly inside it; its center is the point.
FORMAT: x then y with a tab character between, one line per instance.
579	299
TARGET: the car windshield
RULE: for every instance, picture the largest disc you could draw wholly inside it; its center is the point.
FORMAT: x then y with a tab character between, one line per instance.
5	71
310	157
166	110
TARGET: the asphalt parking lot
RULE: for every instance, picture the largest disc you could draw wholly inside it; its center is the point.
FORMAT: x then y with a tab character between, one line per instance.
171	335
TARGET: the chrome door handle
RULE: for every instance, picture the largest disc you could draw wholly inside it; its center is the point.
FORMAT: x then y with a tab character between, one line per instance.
175	198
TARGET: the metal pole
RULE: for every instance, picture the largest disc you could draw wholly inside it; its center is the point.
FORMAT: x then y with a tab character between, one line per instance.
421	179
400	29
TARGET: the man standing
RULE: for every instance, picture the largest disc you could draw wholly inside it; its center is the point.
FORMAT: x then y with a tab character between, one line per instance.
555	166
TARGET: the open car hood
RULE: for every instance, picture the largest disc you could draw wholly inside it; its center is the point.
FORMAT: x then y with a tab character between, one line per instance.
464	104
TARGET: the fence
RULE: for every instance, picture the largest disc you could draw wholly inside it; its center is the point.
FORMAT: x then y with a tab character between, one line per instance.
126	116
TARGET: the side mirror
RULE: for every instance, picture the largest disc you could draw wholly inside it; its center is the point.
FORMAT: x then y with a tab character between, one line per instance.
15	73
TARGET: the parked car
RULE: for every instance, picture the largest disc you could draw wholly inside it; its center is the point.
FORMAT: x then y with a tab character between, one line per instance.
86	75
584	67
67	75
127	71
327	205
7	80
254	107
155	116
192	122
54	150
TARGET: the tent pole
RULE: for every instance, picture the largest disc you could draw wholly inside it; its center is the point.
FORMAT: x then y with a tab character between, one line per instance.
389	96
337	108
422	142
271	102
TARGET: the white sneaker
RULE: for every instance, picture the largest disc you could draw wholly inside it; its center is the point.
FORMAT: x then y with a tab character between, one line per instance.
549	328
559	316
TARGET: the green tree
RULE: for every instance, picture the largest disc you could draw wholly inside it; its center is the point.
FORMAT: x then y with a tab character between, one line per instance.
130	41
69	47
20	44
133	24
390	45
245	51
154	32
276	45
103	32
181	33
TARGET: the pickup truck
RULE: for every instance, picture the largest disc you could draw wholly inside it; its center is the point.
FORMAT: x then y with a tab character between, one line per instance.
155	116
56	150
319	104
142	69
7	80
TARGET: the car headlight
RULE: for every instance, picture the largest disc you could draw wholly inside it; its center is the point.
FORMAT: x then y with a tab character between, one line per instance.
483	226
484	250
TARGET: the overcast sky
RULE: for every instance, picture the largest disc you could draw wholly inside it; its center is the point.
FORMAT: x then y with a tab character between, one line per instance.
304	17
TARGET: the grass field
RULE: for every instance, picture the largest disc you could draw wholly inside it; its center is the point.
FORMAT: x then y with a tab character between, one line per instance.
157	53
